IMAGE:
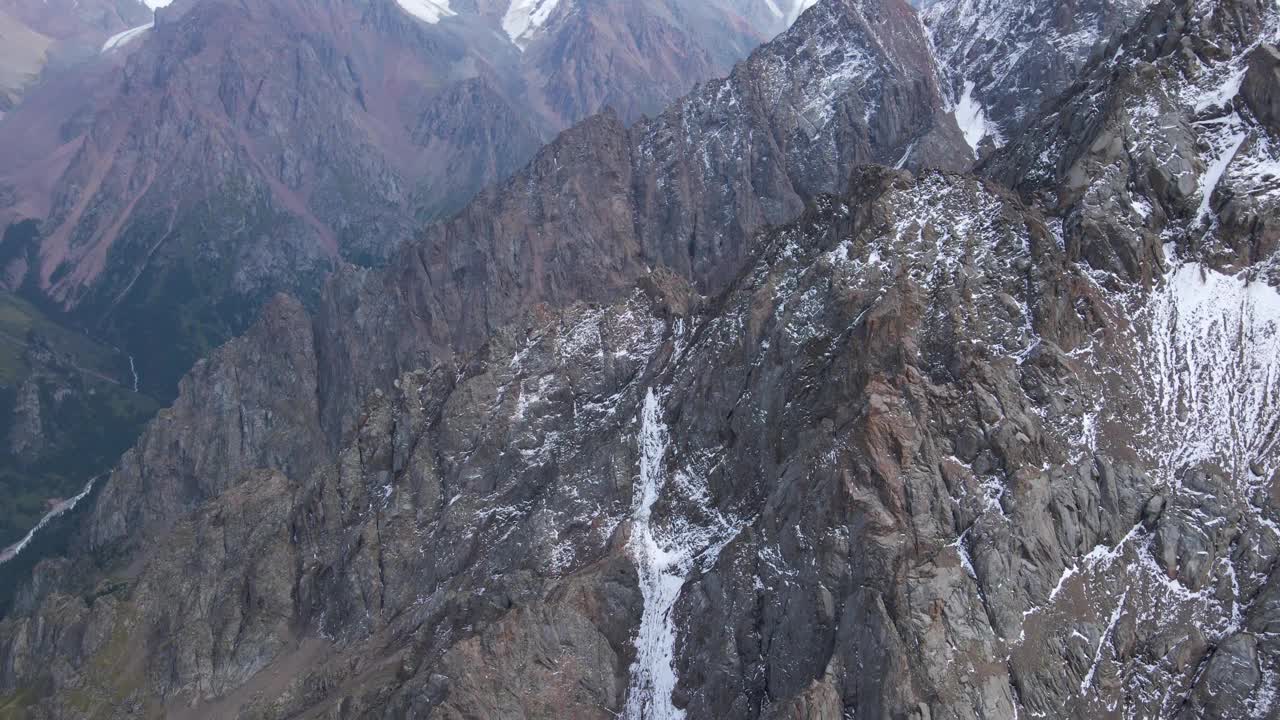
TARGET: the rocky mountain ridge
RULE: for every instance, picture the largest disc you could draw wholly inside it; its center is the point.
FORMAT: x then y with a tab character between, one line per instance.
1003	60
587	218
165	176
229	151
934	448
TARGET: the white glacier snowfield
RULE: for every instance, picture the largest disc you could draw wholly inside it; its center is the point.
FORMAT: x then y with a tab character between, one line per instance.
1214	360
120	39
524	17
790	10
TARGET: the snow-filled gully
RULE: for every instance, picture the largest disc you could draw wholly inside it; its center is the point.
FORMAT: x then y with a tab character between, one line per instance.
665	557
661	571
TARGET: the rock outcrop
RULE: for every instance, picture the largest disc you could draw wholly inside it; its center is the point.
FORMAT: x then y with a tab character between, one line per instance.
599	206
1261	89
1004	59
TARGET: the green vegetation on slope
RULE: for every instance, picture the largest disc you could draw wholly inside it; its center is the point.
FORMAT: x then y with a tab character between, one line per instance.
67	413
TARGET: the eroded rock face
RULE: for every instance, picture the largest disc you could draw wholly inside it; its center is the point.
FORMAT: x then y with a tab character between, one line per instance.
920	452
603	203
887	469
1161	146
1261	89
1003	59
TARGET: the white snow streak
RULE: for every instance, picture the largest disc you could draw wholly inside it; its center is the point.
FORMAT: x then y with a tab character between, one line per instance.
666	553
62	508
1214	174
1220	94
661	577
119	40
1102	642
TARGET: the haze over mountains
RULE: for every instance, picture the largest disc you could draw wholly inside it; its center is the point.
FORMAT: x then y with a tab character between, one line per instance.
162	177
920	367
267	114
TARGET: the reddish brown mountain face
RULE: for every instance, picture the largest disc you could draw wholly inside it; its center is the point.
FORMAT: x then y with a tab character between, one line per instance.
160	176
188	170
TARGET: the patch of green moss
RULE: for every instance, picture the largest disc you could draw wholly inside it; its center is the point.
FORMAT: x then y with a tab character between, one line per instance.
114	675
16	705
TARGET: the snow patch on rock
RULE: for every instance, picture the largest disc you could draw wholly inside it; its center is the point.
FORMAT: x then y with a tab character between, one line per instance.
666	552
1215	356
121	39
972	119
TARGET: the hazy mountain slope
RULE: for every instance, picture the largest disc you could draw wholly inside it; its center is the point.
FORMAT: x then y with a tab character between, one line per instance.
176	176
243	149
40	39
68	409
73	30
24	55
594	210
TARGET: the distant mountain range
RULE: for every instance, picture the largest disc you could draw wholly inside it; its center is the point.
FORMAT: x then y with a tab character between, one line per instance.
162	176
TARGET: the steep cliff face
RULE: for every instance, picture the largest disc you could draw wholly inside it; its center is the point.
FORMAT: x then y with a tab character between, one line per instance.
846	486
602	204
679	423
179	171
1003	60
1168	148
704	497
